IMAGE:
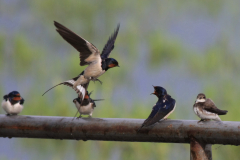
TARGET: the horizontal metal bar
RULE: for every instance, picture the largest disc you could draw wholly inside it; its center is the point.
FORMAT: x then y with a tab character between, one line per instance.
116	129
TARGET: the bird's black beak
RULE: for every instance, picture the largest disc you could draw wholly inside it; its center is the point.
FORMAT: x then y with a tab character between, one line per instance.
118	66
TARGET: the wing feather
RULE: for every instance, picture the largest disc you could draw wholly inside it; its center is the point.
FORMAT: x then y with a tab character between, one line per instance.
110	44
211	107
85	48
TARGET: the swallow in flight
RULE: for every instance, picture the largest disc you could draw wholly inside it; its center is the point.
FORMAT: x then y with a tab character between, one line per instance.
98	63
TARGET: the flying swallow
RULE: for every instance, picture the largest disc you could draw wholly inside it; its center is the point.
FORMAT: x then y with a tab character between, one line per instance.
162	109
98	63
12	103
86	106
206	109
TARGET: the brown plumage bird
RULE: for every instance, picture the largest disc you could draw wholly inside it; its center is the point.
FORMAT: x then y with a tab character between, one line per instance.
206	109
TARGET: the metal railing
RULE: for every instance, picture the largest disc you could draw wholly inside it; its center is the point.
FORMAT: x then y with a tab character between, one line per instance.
200	136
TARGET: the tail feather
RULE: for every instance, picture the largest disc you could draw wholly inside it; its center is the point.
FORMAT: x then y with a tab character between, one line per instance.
222	112
53	87
140	128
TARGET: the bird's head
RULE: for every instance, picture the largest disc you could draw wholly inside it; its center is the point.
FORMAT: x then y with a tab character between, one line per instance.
111	62
74	100
159	91
14	96
77	100
201	98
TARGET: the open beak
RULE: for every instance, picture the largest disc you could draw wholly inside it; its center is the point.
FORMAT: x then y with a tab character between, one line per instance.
154	93
154	90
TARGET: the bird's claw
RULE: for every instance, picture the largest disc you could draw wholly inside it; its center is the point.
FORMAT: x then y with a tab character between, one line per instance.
79	117
98	81
203	120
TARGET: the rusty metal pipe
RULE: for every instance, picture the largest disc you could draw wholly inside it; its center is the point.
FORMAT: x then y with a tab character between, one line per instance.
117	129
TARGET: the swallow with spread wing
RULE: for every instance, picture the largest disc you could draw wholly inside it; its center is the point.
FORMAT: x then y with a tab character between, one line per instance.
206	109
12	103
98	63
86	106
163	108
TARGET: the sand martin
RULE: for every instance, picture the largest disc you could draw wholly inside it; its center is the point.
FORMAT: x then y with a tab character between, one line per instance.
206	109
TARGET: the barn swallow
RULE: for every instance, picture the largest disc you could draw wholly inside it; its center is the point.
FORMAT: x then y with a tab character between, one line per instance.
206	109
89	55
162	109
86	106
12	103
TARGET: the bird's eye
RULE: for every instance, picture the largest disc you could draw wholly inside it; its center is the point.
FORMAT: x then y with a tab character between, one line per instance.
204	97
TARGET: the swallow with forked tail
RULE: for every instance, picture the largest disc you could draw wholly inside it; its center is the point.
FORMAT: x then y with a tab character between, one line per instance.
12	103
206	109
86	106
163	108
89	55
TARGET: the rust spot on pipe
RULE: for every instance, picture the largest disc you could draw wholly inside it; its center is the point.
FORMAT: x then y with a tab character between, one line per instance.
170	126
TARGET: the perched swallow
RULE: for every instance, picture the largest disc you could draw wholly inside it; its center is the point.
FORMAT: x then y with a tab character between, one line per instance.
89	55
12	103
206	109
162	109
86	106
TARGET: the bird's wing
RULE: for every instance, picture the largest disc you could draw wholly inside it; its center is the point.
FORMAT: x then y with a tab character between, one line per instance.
22	101
159	111
88	52
211	107
110	44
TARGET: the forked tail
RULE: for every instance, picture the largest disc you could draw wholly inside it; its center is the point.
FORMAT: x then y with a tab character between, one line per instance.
53	87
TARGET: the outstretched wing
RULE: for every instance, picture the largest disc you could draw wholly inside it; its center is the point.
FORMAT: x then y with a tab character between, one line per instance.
110	44
88	52
211	107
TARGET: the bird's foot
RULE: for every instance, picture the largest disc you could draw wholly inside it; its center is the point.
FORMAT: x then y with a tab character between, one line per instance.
79	117
203	120
90	116
98	81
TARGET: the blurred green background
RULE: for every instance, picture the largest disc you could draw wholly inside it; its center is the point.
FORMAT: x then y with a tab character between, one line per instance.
187	47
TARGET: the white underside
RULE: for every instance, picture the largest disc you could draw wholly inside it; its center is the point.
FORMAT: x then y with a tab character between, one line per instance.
11	109
170	112
205	114
85	110
94	70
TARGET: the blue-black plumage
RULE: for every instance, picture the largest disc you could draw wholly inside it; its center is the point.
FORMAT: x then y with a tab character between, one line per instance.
163	108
